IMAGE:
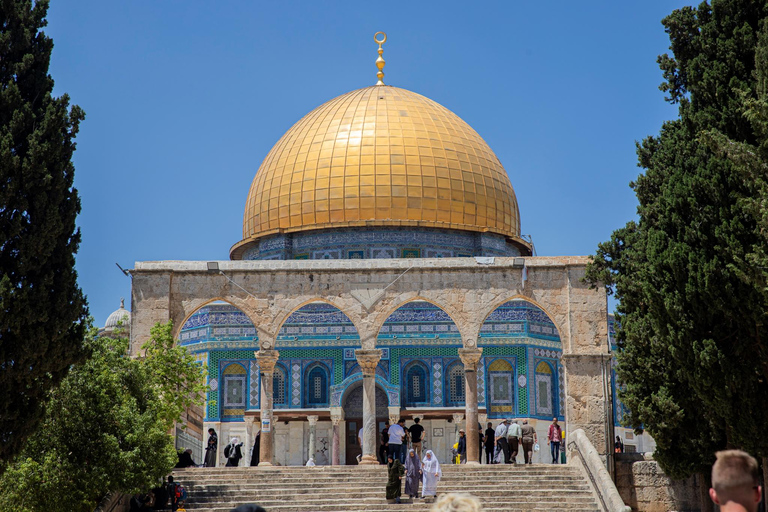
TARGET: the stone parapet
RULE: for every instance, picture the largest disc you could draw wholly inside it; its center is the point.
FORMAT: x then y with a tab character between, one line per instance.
645	487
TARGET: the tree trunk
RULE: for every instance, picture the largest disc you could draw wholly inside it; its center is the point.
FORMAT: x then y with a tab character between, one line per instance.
765	481
704	485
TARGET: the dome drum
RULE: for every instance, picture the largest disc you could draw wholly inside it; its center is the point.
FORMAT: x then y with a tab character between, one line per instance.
379	242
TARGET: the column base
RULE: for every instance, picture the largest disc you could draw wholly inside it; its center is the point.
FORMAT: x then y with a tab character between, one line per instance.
471	463
369	460
265	464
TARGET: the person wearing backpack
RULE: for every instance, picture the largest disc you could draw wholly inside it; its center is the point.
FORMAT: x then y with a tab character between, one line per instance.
177	493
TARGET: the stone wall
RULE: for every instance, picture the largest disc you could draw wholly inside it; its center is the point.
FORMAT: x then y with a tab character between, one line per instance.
644	486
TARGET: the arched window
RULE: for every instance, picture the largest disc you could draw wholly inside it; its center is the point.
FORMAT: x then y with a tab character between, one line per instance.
279	386
455	384
415	388
233	391
500	381
545	390
316	386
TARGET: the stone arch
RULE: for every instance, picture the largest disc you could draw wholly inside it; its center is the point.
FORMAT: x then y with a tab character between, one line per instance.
339	392
392	311
303	304
516	296
383	315
193	306
529	302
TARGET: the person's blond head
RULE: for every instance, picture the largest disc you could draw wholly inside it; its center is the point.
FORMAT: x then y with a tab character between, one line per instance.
735	479
457	502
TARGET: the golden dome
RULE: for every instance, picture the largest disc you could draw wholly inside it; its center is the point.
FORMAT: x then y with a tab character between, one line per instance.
380	156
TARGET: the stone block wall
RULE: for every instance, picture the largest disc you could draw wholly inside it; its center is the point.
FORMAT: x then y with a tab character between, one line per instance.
643	486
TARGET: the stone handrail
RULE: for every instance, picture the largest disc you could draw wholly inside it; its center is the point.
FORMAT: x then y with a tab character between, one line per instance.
610	499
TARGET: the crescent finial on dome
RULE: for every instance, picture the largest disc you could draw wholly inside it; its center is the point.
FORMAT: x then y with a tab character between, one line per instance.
380	61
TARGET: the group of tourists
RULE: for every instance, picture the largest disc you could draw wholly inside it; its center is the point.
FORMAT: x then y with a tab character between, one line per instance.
395	439
233	452
503	443
425	471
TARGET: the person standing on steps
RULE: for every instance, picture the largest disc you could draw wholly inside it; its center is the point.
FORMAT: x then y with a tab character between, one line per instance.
514	434
396	434
501	439
233	452
412	473
529	439
430	475
404	445
490	441
255	451
210	450
462	448
554	436
416	431
383	447
396	472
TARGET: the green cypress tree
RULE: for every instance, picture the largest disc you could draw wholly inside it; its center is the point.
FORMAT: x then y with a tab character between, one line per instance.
692	301
42	309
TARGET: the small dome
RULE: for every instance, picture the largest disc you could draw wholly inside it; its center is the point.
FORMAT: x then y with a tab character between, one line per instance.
120	316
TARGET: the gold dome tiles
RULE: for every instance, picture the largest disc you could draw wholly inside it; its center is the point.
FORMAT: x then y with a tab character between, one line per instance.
380	156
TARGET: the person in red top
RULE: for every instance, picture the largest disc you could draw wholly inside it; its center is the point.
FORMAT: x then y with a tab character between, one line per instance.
554	437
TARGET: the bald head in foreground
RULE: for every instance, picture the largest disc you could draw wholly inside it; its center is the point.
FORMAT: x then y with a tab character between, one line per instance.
735	484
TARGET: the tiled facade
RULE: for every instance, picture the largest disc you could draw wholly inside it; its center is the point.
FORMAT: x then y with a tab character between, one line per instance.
420	366
376	243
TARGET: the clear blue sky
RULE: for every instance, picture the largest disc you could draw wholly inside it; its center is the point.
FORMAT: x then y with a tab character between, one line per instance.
185	98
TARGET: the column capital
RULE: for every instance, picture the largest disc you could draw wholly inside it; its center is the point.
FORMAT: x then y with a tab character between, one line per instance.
458	418
312	419
368	359
337	414
419	416
267	360
482	419
470	357
394	414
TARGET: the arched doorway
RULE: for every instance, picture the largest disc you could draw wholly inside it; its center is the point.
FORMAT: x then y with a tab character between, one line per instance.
353	413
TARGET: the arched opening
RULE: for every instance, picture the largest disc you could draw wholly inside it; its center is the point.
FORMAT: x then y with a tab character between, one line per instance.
316	386
233	392
501	377
206	333
353	414
317	324
515	337
454	385
545	400
280	387
415	385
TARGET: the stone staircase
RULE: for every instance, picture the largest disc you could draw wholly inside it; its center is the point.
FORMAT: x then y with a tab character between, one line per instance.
509	488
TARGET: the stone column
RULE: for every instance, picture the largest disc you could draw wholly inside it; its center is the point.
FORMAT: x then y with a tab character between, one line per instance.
368	359
267	359
312	435
470	357
337	415
250	432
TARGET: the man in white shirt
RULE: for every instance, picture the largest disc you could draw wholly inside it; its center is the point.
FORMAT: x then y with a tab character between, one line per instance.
501	438
396	434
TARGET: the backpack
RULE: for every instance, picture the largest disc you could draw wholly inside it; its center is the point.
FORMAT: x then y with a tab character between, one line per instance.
181	492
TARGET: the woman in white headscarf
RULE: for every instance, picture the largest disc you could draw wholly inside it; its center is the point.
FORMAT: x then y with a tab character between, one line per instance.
430	474
233	453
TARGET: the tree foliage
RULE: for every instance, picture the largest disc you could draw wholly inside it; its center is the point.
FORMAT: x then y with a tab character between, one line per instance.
42	309
106	427
692	302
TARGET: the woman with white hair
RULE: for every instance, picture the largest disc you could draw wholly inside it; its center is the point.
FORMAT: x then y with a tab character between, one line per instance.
430	474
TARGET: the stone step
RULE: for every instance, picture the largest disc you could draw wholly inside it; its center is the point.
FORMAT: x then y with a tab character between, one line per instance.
506	488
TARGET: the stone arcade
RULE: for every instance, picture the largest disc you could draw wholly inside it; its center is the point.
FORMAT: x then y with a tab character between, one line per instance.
382	274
